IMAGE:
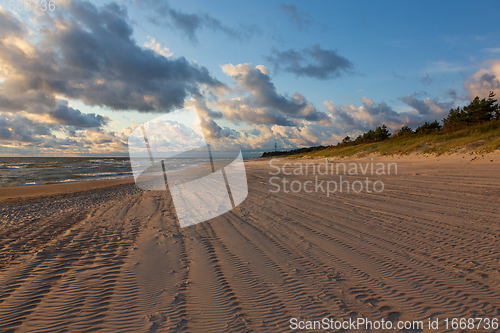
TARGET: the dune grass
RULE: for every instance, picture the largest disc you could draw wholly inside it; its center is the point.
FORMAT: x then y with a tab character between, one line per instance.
477	139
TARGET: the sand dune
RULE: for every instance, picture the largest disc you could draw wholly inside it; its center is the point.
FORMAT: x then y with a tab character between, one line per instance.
113	259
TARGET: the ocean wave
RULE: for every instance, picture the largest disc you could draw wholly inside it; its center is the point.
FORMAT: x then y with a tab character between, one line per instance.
14	167
101	174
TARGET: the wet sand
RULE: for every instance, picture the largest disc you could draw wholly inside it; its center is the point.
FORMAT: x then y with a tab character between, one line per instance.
110	257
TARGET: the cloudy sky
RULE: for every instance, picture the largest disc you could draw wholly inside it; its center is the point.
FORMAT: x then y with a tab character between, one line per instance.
79	79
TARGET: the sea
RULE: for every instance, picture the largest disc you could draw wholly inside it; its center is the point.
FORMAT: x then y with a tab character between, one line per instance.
25	171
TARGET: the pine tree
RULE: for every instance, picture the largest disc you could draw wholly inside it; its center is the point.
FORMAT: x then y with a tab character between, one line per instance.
428	127
346	139
477	112
381	133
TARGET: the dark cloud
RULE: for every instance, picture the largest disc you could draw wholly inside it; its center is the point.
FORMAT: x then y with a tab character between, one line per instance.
17	128
373	114
191	24
205	111
216	25
489	78
22	135
426	79
66	115
343	116
421	93
5	132
14	99
212	130
236	111
9	26
427	107
90	55
312	62
454	95
380	109
417	104
264	94
10	104
299	18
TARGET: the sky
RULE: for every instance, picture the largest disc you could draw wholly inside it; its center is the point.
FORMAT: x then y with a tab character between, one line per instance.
78	79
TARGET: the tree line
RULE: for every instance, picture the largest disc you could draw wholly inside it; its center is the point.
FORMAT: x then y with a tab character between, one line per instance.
479	111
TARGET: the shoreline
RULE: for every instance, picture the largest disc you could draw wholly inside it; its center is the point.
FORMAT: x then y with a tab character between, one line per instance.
9	193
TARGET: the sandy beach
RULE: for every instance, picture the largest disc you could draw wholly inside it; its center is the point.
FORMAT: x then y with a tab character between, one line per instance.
106	256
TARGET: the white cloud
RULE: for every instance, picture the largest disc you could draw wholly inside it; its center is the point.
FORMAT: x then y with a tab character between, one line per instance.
263	69
485	80
156	46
